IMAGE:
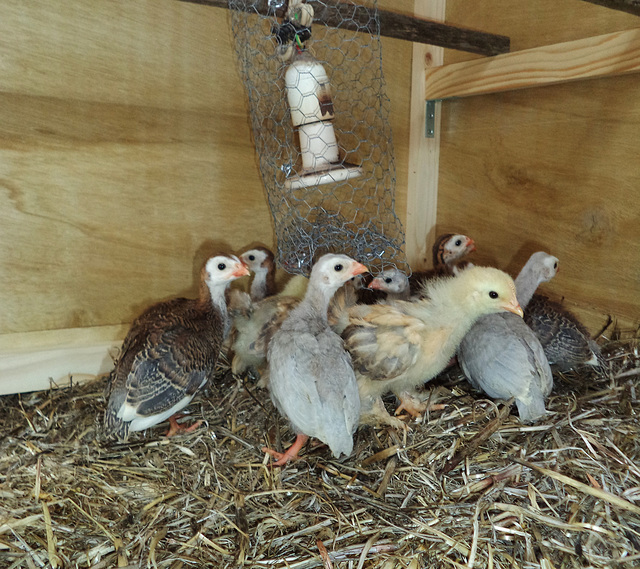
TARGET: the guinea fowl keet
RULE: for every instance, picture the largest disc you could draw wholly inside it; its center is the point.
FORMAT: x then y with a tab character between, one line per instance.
398	346
253	328
170	352
255	324
565	340
394	283
261	263
448	251
311	379
500	354
540	268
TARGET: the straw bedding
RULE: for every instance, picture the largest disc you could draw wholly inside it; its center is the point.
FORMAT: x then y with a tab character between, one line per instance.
469	486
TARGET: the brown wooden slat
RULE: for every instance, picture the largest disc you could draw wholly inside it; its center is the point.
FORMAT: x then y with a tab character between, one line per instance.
394	25
629	6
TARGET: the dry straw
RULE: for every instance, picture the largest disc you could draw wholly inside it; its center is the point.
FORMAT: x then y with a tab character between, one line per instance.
469	486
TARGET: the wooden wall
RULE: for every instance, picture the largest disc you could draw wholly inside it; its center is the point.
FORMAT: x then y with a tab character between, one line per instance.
125	154
553	168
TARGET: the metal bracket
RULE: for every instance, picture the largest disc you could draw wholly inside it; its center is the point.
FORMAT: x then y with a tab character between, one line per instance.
430	119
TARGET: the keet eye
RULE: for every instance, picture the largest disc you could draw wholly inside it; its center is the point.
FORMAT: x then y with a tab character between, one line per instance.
221	266
493	294
252	257
338	268
458	242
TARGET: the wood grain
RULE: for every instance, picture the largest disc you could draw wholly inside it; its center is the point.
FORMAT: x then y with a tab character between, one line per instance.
40	360
422	188
125	153
95	228
553	172
160	53
551	168
617	53
126	157
393	24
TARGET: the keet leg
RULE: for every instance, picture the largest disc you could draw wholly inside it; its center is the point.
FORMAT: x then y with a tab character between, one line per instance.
291	453
378	415
411	404
175	428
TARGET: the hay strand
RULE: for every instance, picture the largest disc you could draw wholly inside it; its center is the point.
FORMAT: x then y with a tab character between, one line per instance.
597	492
468	486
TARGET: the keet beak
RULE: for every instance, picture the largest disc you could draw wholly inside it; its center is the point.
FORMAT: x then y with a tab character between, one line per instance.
358	269
241	270
471	245
375	284
514	307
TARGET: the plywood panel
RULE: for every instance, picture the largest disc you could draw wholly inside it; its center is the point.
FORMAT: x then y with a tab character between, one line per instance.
156	53
103	208
125	152
552	169
33	361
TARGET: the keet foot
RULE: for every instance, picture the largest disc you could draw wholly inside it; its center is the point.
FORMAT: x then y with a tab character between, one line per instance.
378	415
175	428
290	454
411	404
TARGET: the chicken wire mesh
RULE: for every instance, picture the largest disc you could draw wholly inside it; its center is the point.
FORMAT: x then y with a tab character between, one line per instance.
330	178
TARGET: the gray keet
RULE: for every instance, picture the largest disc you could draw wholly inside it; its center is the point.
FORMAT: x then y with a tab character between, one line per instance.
311	379
501	356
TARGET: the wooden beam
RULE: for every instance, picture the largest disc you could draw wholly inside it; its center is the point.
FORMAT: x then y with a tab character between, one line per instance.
424	153
33	361
400	26
607	55
629	6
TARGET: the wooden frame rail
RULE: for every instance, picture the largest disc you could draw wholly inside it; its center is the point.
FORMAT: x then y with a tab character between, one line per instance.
629	6
394	25
32	361
424	152
607	55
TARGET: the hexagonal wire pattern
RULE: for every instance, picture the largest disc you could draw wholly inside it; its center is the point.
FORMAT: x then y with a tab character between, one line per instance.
354	216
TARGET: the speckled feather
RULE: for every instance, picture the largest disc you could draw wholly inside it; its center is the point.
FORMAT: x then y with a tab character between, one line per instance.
566	342
175	345
169	352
